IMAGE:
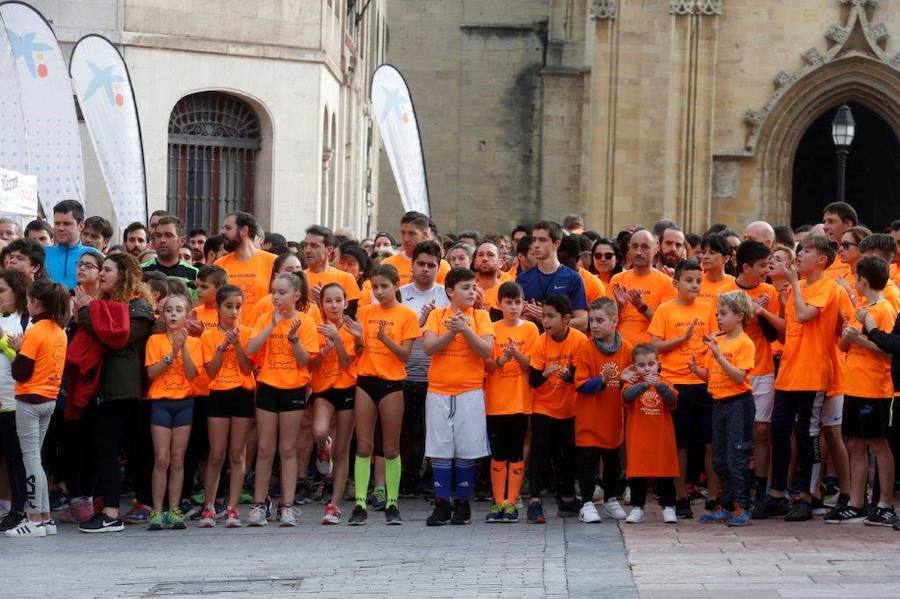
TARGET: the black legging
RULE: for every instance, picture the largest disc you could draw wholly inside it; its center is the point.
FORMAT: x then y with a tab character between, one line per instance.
665	489
553	441
139	450
12	455
109	425
506	434
78	458
588	461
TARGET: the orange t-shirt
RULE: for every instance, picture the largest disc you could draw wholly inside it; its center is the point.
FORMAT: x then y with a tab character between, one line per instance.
173	382
894	272
871	372
599	417
506	389
844	306
740	353
208	316
710	290
806	344
333	275
650	437
329	374
403	264
671	320
265	307
764	354
278	367
457	368
555	397
892	295
839	269
229	375
251	276
45	343
376	359
594	288
655	287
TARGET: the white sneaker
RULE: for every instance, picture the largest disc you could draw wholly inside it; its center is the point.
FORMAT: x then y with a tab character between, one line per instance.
257	516
289	515
636	516
588	513
27	529
324	463
50	527
614	509
669	516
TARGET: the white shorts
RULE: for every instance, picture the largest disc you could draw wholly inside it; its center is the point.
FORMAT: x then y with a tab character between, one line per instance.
827	411
763	396
455	426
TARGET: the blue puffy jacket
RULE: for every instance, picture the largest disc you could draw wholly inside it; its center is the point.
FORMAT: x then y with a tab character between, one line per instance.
62	263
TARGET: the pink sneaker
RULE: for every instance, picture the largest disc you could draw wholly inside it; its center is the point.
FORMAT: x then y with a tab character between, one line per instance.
80	510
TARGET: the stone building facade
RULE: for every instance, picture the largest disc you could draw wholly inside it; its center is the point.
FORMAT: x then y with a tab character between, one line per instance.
630	110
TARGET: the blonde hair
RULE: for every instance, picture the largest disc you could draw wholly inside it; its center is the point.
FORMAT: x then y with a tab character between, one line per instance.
739	303
785	249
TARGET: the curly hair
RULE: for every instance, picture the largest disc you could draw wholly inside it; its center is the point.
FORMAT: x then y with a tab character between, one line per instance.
130	284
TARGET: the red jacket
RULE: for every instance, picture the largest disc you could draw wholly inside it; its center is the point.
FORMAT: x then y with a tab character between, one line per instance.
84	356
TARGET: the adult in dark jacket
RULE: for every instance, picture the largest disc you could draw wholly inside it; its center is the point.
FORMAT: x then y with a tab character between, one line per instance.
121	380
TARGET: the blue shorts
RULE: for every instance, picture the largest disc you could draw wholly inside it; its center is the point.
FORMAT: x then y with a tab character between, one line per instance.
172	413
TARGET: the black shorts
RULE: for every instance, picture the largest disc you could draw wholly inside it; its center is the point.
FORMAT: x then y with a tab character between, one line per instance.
231	403
378	388
506	435
866	418
692	416
341	399
273	399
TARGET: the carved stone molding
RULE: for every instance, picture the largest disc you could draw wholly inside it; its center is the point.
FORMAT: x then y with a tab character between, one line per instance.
782	79
709	7
695	7
603	9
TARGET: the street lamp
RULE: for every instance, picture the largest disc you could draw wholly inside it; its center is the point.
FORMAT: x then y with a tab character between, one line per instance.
843	129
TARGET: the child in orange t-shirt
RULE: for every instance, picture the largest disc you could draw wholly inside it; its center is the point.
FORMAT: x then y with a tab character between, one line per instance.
230	404
649	434
552	378
599	415
715	253
459	339
726	370
507	397
285	346
172	359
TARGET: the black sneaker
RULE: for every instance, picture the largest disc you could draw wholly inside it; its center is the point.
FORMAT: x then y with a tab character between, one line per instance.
462	512
800	511
770	507
11	520
441	514
818	506
100	522
359	516
846	514
567	509
683	508
535	512
303	493
842	502
881	516
392	515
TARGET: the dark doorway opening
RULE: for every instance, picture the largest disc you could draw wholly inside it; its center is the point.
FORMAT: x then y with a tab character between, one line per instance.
873	171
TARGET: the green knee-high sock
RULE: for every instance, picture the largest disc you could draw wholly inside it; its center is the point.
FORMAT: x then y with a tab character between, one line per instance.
362	469
392	478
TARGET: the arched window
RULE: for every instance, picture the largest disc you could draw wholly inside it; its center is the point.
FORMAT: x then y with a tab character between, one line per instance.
213	142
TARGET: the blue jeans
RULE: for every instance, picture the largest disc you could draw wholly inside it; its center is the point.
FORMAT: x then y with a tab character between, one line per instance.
732	442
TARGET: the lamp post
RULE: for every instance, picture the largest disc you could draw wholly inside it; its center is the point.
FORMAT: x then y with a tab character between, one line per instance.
843	129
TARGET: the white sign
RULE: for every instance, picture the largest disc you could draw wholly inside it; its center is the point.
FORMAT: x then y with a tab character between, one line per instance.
18	193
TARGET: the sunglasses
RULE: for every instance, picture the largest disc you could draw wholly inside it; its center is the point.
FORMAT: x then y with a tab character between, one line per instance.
604	256
846	245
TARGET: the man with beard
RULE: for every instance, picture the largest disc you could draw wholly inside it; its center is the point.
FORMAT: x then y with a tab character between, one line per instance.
671	249
318	244
489	277
136	238
247	267
168	237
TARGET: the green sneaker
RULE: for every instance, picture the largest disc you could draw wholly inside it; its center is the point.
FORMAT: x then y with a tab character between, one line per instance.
199	498
156	520
510	513
495	515
176	519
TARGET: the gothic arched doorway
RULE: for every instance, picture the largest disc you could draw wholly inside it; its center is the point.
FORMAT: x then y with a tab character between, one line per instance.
873	170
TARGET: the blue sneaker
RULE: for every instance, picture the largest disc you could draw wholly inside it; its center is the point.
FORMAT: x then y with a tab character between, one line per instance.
741	517
720	514
535	513
378	499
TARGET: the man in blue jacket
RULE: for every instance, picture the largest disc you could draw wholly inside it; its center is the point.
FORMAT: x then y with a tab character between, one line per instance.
62	257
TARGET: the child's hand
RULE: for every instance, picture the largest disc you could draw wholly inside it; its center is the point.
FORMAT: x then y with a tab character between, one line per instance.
295	326
862	314
551	369
277	316
629	375
790	275
689	331
15	342
712	344
382	330
692	365
327	348
850	334
330	332
479	298
194	326
509	349
457	323
178	340
353	327
426	310
609	372
232	337
82	298
652	379
314	293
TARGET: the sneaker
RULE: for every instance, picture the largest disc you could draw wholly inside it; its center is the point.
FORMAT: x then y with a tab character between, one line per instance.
881	516
741	517
392	515
830	487
800	511
49	526
770	507
818	506
176	519
359	516
220	510
535	512
683	508
199	498
26	529
848	514
11	520
614	509
303	494
323	459
718	514
100	522
696	495
332	514
567	509
246	498
441	515
189	508
378	499
510	513
669	515
588	513
495	515
840	503
232	518
207	517
462	513
257	515
81	509
58	500
288	515
636	516
155	521
138	514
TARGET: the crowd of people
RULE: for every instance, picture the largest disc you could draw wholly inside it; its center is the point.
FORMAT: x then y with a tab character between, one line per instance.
748	372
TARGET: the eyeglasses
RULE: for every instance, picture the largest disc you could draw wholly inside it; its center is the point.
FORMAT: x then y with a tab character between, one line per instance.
604	256
88	266
846	245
